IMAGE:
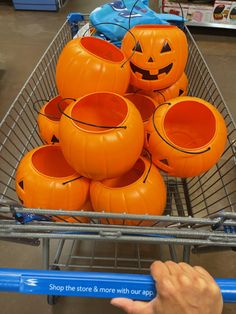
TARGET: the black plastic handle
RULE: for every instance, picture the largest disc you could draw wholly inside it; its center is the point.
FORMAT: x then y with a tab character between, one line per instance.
170	144
87	123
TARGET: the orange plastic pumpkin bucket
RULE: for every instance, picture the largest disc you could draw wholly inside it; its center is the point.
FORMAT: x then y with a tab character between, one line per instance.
101	135
48	120
139	191
90	64
145	105
186	136
160	55
45	180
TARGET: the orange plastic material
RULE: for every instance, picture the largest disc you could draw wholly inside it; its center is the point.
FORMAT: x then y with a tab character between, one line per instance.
186	137
145	105
48	120
99	153
179	88
45	180
135	192
131	89
90	64
160	55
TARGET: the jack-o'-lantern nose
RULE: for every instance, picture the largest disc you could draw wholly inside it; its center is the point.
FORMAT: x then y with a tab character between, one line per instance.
150	59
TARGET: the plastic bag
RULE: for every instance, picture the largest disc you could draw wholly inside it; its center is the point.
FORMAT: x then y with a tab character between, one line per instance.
118	12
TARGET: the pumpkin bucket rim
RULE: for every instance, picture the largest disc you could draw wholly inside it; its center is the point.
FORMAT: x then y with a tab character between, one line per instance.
54	114
49	147
95	129
151	101
144	165
179	103
118	56
162	26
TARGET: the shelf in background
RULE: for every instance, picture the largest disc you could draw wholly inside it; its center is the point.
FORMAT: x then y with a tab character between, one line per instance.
209	24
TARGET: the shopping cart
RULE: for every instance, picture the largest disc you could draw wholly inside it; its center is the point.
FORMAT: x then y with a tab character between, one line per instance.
199	216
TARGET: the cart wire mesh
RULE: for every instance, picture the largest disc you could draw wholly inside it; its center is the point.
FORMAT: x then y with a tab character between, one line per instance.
199	210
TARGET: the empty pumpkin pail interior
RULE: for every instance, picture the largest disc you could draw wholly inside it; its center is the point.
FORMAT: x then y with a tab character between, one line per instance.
144	104
48	160
102	49
100	109
128	178
190	124
51	109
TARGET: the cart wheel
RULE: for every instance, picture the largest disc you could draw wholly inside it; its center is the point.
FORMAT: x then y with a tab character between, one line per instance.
52	299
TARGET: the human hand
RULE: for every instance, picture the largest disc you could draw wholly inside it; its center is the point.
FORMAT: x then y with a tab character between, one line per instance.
182	289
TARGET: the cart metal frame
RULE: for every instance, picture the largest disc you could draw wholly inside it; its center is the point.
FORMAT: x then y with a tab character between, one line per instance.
200	212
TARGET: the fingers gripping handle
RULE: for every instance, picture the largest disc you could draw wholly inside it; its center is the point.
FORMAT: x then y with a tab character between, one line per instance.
91	284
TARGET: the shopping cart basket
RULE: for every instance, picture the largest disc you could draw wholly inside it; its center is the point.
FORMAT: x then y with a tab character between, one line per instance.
200	212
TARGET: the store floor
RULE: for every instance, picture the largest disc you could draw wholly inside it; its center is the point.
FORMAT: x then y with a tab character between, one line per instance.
23	38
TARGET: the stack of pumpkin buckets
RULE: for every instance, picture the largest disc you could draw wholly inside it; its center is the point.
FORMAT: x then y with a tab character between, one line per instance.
121	116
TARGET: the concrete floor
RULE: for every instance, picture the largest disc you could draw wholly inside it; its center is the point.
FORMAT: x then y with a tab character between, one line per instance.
23	38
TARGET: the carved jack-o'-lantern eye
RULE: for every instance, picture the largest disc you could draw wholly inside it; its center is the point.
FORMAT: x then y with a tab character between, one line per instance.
181	91
54	139
137	47
166	47
21	184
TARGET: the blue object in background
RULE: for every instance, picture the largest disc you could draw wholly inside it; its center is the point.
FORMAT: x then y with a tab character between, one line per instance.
230	229
73	20
24	218
102	36
92	284
36	5
119	12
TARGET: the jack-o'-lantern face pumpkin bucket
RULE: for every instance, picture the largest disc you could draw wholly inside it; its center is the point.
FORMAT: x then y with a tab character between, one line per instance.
45	180
160	55
186	136
101	135
48	120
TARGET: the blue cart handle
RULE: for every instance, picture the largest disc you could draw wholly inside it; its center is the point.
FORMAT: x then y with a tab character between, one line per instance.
91	284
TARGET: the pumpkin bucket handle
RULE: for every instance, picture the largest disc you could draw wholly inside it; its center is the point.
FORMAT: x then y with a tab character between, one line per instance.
35	109
111	23
72	180
49	116
170	144
87	123
149	169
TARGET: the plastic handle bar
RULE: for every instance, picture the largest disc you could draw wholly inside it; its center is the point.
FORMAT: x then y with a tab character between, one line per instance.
91	284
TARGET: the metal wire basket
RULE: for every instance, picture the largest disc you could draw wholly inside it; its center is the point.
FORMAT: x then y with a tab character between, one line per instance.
200	211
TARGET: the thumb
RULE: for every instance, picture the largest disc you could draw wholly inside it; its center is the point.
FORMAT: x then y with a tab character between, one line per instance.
124	304
130	306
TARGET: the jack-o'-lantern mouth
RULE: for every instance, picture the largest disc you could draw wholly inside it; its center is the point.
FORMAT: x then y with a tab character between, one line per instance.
146	75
